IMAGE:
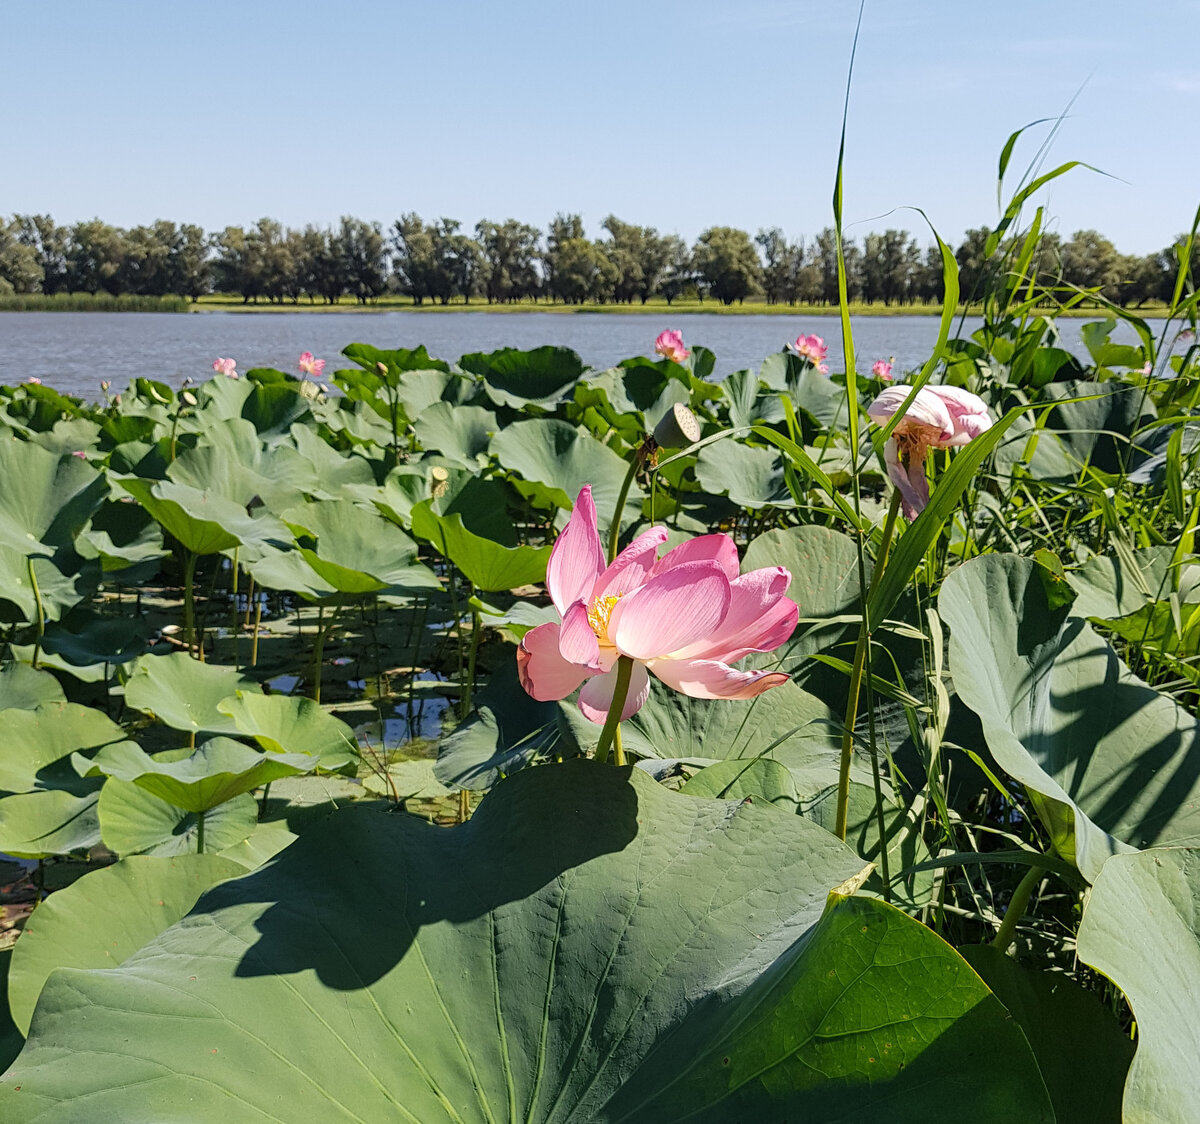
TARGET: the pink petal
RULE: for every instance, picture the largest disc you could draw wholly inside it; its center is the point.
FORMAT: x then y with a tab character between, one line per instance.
577	643
912	481
710	679
543	672
632	566
597	693
968	413
705	548
670	611
927	409
761	617
577	559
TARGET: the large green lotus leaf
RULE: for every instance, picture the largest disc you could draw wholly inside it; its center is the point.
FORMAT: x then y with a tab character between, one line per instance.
754	778
461	433
55	821
1141	928
274	402
356	550
398	360
332	471
750	476
1080	1048
555	460
518	379
55	499
1088	432
605	950
33	740
219	398
290	724
85	639
487	565
69	436
185	693
1110	762
1109	586
231	461
823	564
104	917
133	821
217	771
673	725
407	780
26	688
123	534
204	522
63	581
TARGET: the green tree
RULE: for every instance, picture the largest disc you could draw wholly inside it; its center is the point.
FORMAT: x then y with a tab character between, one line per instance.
577	270
362	258
413	258
20	270
49	243
728	264
508	263
191	264
1091	261
95	253
679	273
781	265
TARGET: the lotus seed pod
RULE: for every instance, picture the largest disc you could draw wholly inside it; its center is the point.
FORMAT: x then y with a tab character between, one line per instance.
679	427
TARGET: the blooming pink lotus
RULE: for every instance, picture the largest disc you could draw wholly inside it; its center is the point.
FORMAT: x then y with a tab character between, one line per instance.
939	417
814	349
33	380
311	366
882	370
685	616
226	367
670	344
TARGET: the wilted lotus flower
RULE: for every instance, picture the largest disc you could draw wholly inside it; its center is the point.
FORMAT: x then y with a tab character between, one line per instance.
939	417
311	366
882	369
686	616
227	367
814	349
670	344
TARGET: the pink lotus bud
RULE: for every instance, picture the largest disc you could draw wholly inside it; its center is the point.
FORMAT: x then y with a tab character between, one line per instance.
227	367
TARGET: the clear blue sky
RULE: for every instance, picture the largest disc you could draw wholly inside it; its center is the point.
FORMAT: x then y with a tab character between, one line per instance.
678	114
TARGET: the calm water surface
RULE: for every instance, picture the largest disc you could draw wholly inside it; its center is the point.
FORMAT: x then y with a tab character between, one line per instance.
73	351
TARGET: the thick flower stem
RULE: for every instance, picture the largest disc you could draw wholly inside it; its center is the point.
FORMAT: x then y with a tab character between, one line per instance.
856	675
189	601
614	534
1016	908
611	723
41	613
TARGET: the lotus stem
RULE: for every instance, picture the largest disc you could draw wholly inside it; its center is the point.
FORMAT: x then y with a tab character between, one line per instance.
254	634
200	832
614	534
468	683
319	645
41	613
1016	908
613	720
233	613
464	805
189	601
856	675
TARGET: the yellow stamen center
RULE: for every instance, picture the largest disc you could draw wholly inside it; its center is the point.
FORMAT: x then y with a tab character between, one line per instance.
601	609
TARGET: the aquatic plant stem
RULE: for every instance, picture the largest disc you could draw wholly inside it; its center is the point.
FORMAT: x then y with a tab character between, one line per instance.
189	601
200	832
1016	908
613	720
233	621
323	632
468	683
856	675
254	634
614	534
41	613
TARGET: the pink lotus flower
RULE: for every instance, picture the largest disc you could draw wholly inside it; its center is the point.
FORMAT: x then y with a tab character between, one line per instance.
34	380
311	366
226	367
939	417
80	454
686	617
814	349
882	370
670	344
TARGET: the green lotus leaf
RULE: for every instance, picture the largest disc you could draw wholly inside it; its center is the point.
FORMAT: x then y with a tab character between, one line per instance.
45	822
460	433
519	379
24	688
561	972
750	476
287	724
218	770
554	460
134	821
185	693
1110	763
104	917
486	564
33	740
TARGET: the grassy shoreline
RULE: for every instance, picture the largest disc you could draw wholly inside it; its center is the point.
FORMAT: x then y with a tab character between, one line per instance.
221	303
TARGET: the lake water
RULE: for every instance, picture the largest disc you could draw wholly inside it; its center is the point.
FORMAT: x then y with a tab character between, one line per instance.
74	351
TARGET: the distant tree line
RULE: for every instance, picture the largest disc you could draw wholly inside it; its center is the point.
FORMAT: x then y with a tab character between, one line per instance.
439	262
